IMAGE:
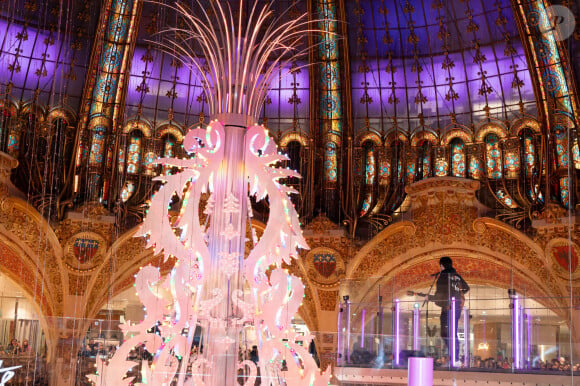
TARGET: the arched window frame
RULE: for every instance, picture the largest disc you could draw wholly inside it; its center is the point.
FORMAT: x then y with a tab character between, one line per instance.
458	158
493	156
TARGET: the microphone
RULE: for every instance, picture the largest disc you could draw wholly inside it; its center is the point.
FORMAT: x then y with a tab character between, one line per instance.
435	274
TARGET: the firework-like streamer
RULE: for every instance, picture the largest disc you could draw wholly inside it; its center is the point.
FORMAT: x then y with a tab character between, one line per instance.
242	61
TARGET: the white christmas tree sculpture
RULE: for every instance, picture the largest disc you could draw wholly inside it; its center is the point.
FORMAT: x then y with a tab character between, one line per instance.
213	286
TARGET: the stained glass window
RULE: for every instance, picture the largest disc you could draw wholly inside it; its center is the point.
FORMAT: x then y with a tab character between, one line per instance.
457	158
565	191
148	162
330	165
441	167
127	191
370	173
385	172
121	160
506	199
562	150
97	147
475	168
493	154
370	163
576	154
396	157
134	153
512	164
529	152
168	147
424	158
13	143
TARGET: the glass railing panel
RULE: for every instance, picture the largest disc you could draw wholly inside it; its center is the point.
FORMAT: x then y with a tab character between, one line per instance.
499	329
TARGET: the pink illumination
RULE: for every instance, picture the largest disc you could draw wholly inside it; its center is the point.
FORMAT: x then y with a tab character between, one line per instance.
516	338
416	328
452	333
397	350
362	329
420	372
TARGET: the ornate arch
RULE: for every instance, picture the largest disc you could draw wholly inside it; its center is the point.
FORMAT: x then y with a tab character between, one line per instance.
33	108
9	106
429	135
396	135
491	127
140	124
24	230
521	123
61	112
368	135
172	129
293	135
457	132
445	222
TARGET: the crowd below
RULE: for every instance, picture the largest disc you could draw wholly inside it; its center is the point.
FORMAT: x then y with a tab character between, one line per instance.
364	358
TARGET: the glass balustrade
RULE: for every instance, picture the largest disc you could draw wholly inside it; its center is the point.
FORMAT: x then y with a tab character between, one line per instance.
381	325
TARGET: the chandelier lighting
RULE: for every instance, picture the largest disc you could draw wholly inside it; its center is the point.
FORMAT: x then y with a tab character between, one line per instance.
213	286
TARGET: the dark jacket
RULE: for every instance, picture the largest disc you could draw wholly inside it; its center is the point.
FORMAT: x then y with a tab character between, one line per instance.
449	284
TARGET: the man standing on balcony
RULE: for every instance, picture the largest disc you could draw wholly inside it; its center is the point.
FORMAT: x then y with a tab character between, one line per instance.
449	285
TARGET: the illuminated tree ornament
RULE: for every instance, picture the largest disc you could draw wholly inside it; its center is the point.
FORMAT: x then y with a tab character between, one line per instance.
212	285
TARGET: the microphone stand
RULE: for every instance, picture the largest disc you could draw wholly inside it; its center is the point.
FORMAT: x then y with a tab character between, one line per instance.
426	301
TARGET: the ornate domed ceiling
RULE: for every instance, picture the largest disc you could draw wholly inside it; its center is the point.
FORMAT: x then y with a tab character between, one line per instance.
413	63
45	48
428	63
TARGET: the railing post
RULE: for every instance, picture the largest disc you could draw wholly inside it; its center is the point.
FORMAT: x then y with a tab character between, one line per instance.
466	338
396	333
416	328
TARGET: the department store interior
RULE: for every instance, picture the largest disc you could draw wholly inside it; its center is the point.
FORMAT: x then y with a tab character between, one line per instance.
409	130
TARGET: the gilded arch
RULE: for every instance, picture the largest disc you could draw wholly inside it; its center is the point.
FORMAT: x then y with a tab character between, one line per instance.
172	129
491	127
140	124
291	136
521	123
445	222
368	135
457	132
428	135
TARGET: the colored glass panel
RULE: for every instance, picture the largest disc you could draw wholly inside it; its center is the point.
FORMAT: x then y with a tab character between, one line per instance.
512	165
13	144
475	168
370	166
410	172
493	154
121	163
97	147
385	172
424	158
366	205
565	191
458	168
127	191
529	155
134	154
441	167
330	163
148	162
562	150
576	155
168	147
506	199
